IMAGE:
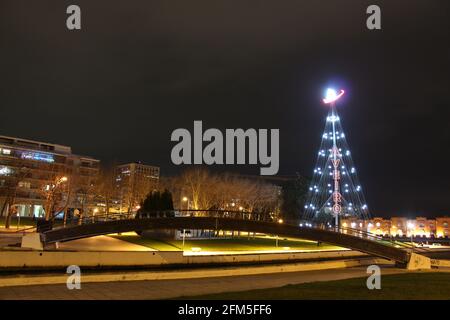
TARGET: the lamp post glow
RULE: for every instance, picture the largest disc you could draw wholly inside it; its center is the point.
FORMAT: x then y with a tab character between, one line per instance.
410	227
50	191
186	200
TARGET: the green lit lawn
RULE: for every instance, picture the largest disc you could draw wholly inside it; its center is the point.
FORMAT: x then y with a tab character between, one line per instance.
411	286
24	222
235	244
150	243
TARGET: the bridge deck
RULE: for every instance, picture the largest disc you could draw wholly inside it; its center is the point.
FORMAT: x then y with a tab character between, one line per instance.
211	223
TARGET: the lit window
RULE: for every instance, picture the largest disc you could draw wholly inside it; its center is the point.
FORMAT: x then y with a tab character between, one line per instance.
4	171
24	184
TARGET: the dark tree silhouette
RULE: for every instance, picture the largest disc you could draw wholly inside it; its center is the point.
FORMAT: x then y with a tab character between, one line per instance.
293	194
157	201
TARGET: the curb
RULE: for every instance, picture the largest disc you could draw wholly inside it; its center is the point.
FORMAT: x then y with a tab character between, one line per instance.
199	273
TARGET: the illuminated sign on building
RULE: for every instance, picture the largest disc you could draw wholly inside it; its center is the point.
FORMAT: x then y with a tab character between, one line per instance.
37	156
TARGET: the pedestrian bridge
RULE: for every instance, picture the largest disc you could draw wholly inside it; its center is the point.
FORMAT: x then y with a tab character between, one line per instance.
361	242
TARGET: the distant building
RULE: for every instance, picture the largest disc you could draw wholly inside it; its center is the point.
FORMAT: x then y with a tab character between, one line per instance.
401	226
28	169
442	227
379	226
133	182
422	227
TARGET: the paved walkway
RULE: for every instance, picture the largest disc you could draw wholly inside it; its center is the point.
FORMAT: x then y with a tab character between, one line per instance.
235	252
101	243
7	239
165	289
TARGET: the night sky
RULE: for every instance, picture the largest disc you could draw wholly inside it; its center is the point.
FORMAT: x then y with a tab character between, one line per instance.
140	69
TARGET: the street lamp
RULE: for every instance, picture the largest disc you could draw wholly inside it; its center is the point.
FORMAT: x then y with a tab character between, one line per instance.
410	226
186	200
50	190
94	212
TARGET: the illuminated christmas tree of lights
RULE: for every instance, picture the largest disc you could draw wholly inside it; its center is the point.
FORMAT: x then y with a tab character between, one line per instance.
335	190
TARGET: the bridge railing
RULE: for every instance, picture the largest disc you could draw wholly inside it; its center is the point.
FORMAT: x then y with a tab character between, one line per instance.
223	214
95	219
244	215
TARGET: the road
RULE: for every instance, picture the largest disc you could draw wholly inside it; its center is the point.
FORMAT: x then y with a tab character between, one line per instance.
165	289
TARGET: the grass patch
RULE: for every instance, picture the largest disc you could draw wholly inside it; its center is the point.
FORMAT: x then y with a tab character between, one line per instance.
146	242
24	222
410	286
235	244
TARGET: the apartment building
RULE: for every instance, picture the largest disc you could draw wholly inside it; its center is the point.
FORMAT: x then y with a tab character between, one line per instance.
134	181
442	227
31	171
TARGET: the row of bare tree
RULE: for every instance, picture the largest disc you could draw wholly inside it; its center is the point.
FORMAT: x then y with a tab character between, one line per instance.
202	189
56	193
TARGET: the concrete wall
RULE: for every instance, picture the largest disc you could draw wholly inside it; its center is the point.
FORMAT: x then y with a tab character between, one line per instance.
267	257
58	259
62	259
61	278
440	263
